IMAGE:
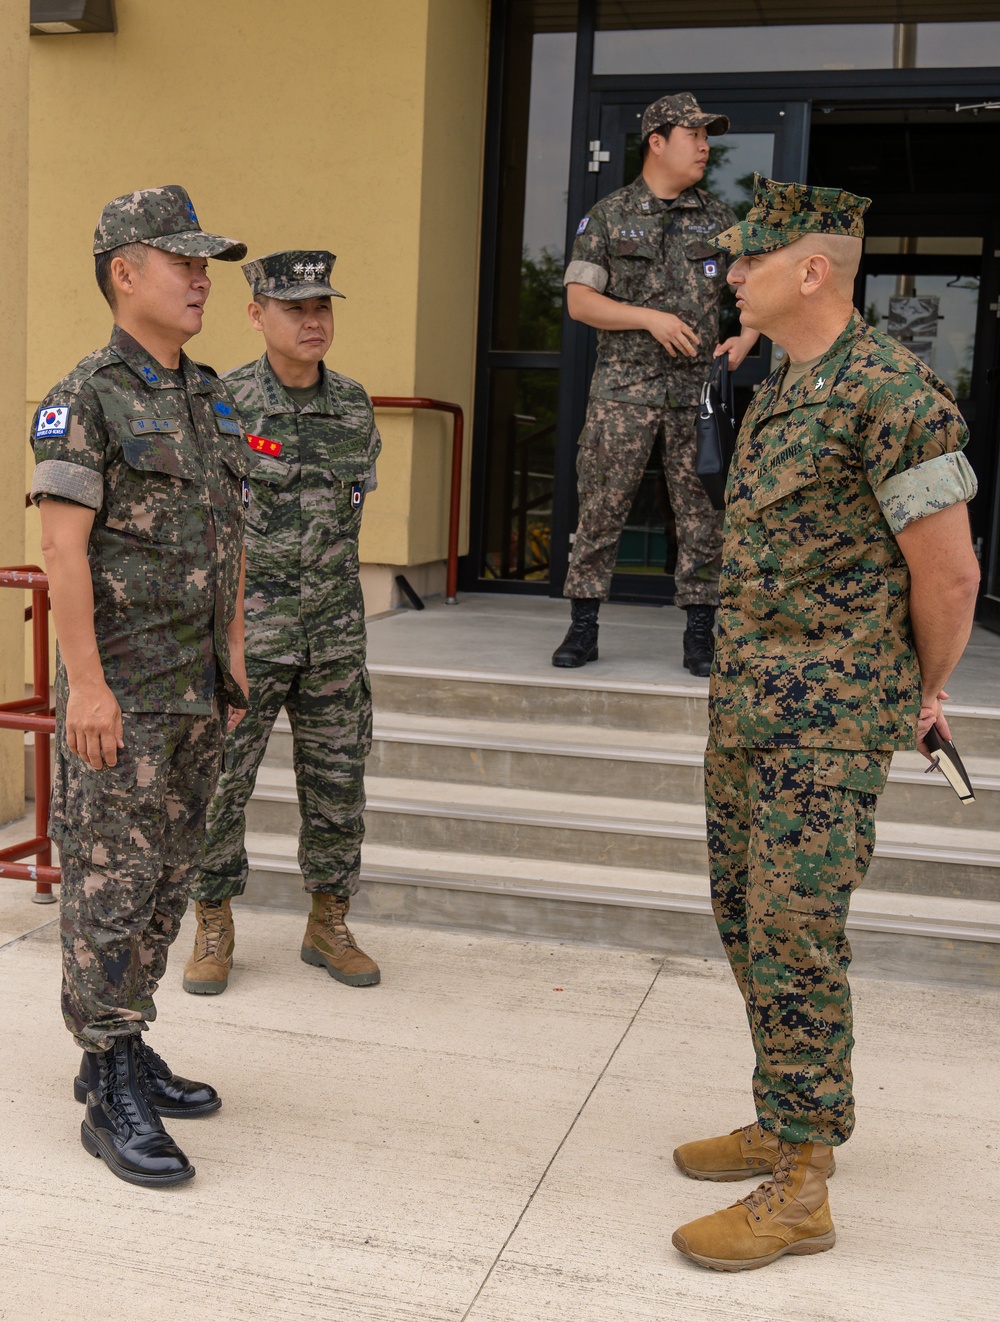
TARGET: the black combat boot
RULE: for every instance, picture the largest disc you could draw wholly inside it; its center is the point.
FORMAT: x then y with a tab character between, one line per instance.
172	1096
122	1127
580	644
699	640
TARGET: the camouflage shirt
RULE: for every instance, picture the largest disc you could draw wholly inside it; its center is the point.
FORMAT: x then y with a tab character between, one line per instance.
160	457
303	591
815	647
637	248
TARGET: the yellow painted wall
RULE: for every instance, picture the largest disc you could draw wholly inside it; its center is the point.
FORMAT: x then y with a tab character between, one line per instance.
14	227
355	126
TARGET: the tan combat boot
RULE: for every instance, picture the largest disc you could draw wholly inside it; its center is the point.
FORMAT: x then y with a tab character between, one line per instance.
788	1213
744	1153
329	943
207	971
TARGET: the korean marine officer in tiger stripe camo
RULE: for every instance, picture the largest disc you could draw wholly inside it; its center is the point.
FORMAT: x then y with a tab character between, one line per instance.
141	480
847	591
314	436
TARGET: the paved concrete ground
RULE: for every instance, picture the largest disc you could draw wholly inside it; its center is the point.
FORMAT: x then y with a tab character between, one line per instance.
494	633
485	1136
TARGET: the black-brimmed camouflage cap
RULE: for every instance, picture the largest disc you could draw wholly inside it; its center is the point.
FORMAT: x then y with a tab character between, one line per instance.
296	273
782	213
161	218
684	111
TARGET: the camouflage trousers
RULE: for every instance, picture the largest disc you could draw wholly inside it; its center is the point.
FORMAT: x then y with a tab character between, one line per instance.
330	710
790	836
615	447
129	837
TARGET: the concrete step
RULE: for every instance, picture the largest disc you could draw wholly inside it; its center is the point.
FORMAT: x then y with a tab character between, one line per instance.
626	764
568	697
892	934
580	697
613	832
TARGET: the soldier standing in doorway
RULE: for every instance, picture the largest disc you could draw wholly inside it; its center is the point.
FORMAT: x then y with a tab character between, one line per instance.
316	441
847	593
141	486
647	273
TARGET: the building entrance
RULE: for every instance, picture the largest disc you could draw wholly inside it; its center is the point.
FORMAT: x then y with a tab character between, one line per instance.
915	139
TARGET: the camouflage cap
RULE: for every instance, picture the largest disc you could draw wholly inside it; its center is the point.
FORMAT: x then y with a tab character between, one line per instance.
684	111
296	273
162	218
782	213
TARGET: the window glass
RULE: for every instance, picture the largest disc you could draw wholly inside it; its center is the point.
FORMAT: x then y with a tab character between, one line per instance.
934	316
521	468
739	49
532	216
958	45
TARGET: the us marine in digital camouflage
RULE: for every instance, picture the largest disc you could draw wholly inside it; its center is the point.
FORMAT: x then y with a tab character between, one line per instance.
647	273
847	592
316	442
140	480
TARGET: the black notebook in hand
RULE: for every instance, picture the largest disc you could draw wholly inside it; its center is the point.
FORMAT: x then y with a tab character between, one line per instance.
945	757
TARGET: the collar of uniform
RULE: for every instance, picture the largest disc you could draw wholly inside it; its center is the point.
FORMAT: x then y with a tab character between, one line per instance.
817	385
278	399
153	375
647	200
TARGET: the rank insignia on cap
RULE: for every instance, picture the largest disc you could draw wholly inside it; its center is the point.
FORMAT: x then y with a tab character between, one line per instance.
583	225
52	422
711	267
263	445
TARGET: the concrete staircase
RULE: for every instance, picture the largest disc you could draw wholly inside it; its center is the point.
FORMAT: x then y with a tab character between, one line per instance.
572	809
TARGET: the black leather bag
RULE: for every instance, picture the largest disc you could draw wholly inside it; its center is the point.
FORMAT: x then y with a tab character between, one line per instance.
716	432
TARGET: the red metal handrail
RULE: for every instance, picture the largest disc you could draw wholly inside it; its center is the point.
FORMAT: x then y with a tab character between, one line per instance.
455	511
26	714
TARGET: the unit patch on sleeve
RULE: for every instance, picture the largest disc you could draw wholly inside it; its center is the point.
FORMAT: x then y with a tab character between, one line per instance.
52	422
263	445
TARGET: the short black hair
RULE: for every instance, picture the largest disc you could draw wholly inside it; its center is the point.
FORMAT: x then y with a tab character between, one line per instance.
132	252
664	132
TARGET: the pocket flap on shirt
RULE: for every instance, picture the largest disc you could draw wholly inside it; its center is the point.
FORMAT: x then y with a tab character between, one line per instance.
158	454
774	481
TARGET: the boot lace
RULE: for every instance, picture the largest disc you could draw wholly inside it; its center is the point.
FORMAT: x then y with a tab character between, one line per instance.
118	1097
699	628
213	922
774	1189
333	921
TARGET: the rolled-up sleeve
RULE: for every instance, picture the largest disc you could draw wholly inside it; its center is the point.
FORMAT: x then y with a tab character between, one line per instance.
69	453
930	486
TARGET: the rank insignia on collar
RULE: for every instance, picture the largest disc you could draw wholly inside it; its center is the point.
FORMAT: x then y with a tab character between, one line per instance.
149	374
821	382
263	445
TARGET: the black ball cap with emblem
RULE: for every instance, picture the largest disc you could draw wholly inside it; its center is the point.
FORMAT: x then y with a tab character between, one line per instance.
293	274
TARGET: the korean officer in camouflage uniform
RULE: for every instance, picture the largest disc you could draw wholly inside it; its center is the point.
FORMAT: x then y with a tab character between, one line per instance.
316	443
847	591
140	482
647	273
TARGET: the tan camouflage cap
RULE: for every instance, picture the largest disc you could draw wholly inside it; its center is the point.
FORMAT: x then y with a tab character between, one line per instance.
782	213
296	273
162	218
683	110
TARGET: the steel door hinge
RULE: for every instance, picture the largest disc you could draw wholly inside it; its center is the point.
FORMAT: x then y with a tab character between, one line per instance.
597	156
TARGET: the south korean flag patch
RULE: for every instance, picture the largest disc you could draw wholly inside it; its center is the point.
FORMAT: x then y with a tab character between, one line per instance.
711	268
583	225
52	422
